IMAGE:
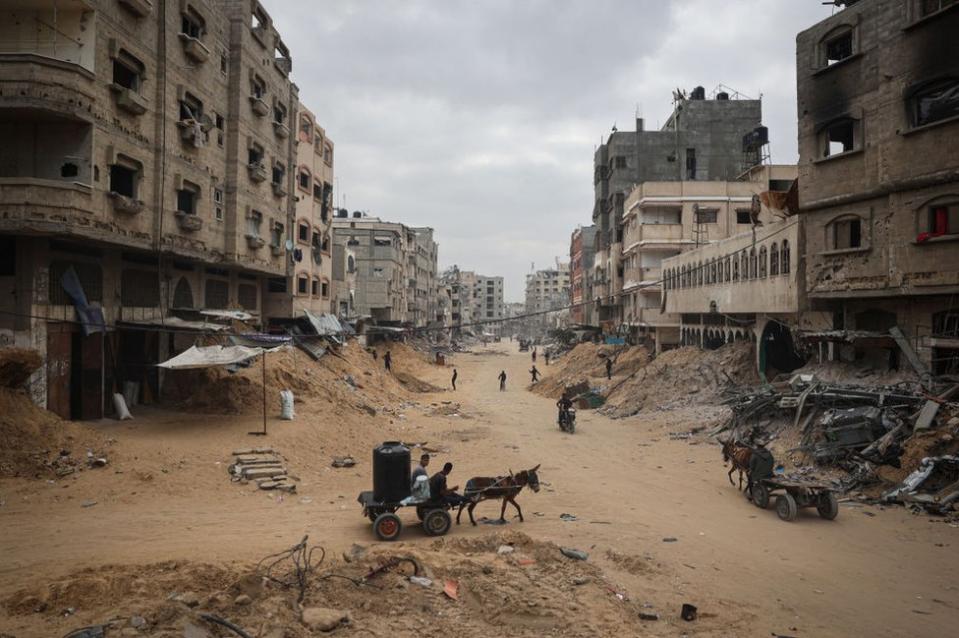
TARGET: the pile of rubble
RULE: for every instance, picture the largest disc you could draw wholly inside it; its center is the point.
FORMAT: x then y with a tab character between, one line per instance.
861	430
264	467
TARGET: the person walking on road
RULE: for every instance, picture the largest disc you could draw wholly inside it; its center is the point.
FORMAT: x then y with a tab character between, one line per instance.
546	356
609	368
534	355
455	374
388	361
502	381
535	374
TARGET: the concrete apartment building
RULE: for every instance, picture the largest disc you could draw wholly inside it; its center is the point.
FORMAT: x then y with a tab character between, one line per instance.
664	219
148	170
547	290
703	139
474	299
312	224
878	99
488	302
384	270
581	256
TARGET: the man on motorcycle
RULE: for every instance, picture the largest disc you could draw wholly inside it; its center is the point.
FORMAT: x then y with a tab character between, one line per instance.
564	404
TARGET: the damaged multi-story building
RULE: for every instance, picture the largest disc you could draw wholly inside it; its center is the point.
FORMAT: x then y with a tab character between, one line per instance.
148	176
701	140
581	256
547	298
878	103
476	301
384	270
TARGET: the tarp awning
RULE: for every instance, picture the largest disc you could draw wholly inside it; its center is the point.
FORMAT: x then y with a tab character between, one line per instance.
176	322
212	356
258	340
324	325
238	315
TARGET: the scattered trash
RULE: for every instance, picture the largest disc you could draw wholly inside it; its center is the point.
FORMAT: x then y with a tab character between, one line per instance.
502	550
567	517
343	461
286	405
575	554
644	615
688	612
670	539
88	503
421	581
451	589
95	631
934	486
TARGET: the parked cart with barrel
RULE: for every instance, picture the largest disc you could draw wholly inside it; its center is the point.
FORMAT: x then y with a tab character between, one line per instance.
793	494
392	492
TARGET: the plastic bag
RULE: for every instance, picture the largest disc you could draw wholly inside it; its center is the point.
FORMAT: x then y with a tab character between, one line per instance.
120	407
286	405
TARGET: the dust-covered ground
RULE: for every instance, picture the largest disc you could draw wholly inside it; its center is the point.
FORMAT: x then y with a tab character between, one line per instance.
161	534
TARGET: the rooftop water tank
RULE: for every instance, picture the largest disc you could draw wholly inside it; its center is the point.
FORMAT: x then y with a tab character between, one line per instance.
391	472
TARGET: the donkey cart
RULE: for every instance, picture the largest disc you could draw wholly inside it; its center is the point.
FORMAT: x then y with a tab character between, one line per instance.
387	524
795	494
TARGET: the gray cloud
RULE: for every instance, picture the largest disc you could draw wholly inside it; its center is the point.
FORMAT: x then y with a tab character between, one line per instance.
480	118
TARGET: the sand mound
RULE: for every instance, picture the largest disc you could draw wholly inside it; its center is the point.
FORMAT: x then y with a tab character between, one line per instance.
350	377
16	366
587	363
31	439
683	377
530	590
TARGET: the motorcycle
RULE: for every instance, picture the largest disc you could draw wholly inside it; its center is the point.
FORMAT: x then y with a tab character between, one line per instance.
567	420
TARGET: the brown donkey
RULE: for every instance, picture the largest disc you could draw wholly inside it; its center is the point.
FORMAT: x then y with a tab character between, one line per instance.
738	456
481	488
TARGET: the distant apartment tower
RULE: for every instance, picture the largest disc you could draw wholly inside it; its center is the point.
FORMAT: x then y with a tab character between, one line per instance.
379	254
548	289
714	139
581	254
148	175
878	100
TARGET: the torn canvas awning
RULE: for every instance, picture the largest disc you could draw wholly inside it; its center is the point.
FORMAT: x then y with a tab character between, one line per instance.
324	325
237	315
179	324
258	340
212	356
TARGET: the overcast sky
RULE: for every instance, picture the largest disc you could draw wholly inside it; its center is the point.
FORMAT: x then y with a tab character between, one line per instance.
479	118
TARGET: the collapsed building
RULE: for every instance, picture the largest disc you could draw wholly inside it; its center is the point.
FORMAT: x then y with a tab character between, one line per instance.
155	153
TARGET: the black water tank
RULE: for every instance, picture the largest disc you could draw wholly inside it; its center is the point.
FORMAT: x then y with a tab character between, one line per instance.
699	93
342	213
722	95
391	472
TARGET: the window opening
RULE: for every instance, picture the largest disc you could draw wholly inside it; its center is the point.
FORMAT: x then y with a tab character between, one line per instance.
186	199
127	71
690	163
838	48
840	138
123	180
847	233
938	101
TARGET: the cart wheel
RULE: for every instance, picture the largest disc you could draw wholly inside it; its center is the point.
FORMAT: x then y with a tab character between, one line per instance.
828	506
387	526
437	522
786	507
760	496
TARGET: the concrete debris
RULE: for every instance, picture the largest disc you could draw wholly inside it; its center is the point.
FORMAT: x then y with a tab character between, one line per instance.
934	486
264	467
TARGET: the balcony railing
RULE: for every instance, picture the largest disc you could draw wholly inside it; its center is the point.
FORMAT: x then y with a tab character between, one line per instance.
194	49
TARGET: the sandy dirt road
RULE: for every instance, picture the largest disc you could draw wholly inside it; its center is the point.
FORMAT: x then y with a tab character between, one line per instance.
871	572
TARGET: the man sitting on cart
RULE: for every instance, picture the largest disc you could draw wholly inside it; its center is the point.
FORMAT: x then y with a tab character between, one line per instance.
439	491
761	463
420	470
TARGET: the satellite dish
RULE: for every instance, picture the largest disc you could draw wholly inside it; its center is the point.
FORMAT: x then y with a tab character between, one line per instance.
289	244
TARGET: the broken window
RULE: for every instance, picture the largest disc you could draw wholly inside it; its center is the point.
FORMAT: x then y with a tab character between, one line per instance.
301	285
279	113
191	108
255	155
303	233
183	294
192	23
304	179
219	124
774	260
257	87
839	137
69	169
246	296
186	199
217	296
282	59
258	20
837	47
935	102
846	233
378	272
928	7
276	284
123	180
690	163
279	171
619	161
325	289
784	258
89	274
744	216
127	71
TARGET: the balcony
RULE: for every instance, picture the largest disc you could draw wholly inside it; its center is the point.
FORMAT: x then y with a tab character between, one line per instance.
129	100
255	242
281	130
194	49
260	107
660	234
187	222
192	132
139	8
258	172
277	250
126	205
279	189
